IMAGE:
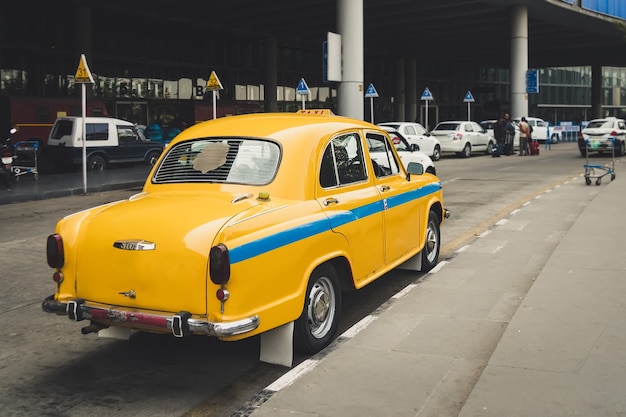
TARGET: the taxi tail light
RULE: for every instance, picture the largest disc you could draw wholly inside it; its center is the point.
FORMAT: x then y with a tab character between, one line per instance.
458	136
219	264
613	134
54	251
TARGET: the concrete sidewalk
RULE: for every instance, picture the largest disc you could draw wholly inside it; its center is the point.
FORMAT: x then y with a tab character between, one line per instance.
527	320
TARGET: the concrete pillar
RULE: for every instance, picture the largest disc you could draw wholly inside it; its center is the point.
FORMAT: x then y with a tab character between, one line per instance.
519	61
271	75
350	97
398	90
411	89
596	92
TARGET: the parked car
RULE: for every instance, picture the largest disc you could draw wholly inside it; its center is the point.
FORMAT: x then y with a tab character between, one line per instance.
407	152
488	126
540	129
417	134
463	138
108	141
597	136
250	224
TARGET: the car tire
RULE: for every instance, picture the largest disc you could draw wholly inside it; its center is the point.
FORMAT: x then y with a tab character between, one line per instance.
316	327
96	163
489	150
430	251
554	139
467	151
152	157
436	153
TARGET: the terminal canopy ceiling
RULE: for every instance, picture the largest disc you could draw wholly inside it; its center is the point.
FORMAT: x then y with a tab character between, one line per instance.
442	31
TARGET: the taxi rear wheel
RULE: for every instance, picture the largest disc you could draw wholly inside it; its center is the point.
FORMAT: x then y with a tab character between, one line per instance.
430	251
317	325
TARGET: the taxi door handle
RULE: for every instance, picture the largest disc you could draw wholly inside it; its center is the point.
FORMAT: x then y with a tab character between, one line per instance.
384	188
330	201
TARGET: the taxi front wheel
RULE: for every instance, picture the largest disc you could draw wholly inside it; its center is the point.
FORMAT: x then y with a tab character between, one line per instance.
317	325
430	251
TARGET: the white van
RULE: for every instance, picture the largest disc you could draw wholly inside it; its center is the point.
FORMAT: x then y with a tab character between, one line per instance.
108	141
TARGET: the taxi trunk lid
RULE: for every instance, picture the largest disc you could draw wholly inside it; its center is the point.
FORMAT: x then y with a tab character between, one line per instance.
149	254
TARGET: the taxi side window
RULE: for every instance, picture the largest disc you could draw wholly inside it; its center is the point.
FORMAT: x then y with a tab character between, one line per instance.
383	158
342	162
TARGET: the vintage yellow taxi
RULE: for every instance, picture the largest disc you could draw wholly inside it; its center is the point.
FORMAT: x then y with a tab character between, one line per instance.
248	225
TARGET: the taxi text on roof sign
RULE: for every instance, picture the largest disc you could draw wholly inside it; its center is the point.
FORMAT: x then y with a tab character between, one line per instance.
324	112
214	82
83	75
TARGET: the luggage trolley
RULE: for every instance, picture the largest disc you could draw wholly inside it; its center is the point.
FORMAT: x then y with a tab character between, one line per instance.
26	161
604	170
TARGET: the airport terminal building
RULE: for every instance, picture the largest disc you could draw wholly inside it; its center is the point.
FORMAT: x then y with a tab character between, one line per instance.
151	60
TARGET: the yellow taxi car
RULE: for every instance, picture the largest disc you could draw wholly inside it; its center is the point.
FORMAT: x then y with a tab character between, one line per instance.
245	225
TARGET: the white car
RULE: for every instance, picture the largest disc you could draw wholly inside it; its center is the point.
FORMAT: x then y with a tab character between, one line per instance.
463	138
407	152
540	129
597	136
416	133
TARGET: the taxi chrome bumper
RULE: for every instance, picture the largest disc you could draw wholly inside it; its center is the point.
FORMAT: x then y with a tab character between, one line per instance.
180	324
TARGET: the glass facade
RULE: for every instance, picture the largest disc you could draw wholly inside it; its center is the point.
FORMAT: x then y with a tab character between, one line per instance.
143	72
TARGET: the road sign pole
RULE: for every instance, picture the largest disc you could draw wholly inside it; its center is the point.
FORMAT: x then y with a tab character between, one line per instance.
372	110
469	118
427	128
84	113
214	104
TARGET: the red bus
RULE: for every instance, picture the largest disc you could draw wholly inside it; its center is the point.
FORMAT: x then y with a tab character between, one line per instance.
33	117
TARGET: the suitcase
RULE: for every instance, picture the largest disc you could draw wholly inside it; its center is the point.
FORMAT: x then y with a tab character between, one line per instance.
534	147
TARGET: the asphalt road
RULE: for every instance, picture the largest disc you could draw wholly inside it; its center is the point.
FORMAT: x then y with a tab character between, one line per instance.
47	367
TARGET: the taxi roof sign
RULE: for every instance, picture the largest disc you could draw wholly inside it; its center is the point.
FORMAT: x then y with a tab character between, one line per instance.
303	89
214	83
83	75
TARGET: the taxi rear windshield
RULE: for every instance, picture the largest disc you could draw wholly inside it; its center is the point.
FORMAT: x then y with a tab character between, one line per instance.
220	160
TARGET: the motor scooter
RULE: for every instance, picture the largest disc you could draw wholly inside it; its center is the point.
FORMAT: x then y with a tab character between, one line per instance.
6	167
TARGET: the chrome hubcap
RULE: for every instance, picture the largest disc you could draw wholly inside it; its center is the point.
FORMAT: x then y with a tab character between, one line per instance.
321	308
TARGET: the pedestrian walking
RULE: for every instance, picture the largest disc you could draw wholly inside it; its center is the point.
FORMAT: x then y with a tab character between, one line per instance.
509	135
498	134
524	137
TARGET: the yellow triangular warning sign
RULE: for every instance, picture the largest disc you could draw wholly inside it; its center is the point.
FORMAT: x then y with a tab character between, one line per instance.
214	82
83	75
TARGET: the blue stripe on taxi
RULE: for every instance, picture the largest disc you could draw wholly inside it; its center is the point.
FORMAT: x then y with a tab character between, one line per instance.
289	236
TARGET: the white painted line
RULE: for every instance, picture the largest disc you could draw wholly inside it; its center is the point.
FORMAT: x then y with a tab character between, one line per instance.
362	324
438	267
292	375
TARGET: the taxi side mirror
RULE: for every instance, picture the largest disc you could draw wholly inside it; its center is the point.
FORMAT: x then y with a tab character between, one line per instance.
415	168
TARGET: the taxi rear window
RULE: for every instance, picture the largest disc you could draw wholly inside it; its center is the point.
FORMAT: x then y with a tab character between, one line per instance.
220	160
